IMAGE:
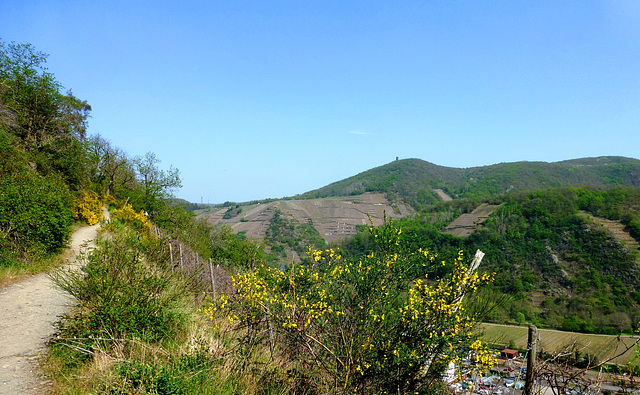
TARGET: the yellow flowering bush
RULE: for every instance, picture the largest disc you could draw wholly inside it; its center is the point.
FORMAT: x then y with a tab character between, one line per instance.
365	325
138	220
88	206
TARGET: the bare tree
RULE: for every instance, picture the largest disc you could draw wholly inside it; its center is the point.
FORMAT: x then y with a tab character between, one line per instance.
559	373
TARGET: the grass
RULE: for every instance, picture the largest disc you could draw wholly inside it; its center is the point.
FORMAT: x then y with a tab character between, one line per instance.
138	329
600	346
19	272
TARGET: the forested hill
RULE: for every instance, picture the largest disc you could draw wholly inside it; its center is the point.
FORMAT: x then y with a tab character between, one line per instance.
566	258
414	180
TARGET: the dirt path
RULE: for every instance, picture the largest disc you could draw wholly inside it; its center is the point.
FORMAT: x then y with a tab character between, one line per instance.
28	311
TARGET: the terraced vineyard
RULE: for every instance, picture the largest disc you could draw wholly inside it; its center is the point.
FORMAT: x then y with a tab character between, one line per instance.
466	223
335	218
617	230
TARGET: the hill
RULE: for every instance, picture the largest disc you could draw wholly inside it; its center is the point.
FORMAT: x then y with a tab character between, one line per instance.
288	226
420	183
567	258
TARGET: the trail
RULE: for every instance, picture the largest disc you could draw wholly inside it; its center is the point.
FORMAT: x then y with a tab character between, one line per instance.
28	311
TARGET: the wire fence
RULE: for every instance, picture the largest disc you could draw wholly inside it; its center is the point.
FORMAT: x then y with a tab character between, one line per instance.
206	274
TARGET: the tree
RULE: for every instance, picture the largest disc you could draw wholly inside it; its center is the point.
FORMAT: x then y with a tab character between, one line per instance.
109	166
45	122
154	184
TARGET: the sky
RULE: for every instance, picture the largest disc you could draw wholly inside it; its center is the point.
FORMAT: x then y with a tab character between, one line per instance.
268	99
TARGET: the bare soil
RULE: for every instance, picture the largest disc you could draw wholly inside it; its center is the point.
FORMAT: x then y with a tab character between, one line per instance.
443	195
28	311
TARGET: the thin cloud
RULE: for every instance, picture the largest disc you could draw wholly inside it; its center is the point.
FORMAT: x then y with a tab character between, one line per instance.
360	132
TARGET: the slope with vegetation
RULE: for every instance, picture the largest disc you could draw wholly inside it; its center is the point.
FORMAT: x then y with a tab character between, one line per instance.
382	315
560	268
52	174
417	182
41	167
287	227
149	319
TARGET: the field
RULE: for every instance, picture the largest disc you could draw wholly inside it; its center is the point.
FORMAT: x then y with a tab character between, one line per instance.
600	346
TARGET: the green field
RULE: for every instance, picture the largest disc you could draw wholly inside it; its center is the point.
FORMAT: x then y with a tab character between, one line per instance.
600	346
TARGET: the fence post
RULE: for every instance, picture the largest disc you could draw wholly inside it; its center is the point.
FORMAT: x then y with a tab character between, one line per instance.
213	280
181	262
171	255
531	359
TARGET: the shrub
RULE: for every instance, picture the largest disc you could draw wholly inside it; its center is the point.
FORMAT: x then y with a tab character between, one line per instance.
138	220
35	214
124	291
88	207
184	374
360	326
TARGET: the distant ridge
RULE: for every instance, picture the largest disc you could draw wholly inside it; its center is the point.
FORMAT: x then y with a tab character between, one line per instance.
415	181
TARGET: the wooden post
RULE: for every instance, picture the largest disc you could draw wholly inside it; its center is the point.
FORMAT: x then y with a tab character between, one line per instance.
531	359
171	255
213	280
181	262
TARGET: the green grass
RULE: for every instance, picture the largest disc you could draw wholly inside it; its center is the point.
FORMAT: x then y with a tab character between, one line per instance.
600	346
137	329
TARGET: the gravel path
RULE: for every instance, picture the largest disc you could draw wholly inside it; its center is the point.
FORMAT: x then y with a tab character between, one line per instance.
28	311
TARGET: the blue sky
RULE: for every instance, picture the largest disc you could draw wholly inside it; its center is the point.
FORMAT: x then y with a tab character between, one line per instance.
266	99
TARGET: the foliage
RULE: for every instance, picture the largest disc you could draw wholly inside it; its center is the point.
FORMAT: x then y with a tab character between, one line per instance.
182	374
137	220
41	157
46	123
137	316
35	215
413	180
366	325
232	212
154	185
119	295
233	251
132	311
88	207
110	170
541	243
288	231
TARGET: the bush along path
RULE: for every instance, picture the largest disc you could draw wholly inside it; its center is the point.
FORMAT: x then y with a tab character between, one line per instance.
28	311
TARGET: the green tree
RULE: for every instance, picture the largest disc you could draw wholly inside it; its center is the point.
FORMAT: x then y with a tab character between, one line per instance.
44	121
153	184
109	166
41	155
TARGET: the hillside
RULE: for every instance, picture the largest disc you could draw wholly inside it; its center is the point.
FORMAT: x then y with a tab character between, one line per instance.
566	258
330	219
420	183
